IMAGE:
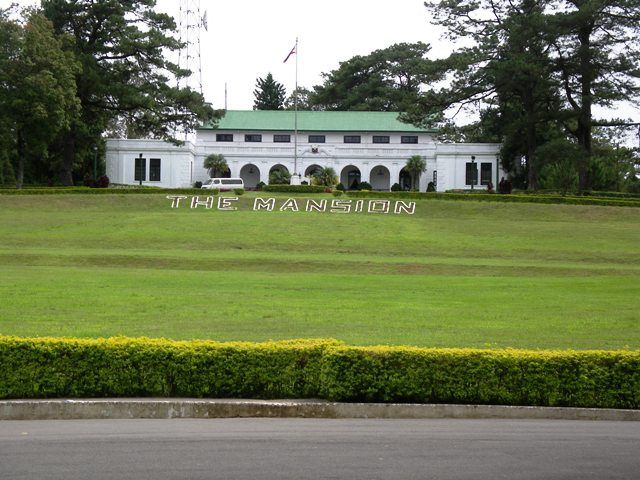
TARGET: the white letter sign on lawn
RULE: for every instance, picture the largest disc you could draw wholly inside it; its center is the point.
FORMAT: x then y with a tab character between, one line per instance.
399	207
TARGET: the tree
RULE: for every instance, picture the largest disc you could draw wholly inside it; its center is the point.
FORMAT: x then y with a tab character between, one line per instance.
269	94
325	176
125	75
303	95
389	79
541	65
37	89
505	72
597	47
216	164
416	166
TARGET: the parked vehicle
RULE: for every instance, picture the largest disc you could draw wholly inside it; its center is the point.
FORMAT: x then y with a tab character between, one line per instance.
223	183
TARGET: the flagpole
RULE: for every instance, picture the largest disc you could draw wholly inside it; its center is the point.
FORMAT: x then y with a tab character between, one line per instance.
295	117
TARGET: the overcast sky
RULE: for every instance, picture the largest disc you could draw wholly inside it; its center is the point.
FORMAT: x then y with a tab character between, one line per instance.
247	39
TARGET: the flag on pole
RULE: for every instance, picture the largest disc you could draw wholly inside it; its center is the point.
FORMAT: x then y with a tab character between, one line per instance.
293	50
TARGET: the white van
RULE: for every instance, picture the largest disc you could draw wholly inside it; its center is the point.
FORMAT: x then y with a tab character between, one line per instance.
223	183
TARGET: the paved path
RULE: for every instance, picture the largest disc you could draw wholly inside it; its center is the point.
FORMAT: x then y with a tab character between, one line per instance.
315	448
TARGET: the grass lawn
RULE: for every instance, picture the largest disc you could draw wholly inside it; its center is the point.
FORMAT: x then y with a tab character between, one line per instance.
454	274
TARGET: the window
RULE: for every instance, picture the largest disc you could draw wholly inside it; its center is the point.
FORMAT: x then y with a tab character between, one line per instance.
409	139
352	139
140	174
253	137
224	137
381	139
154	170
317	139
471	177
282	138
486	171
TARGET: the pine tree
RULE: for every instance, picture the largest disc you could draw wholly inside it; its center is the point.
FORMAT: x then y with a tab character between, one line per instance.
269	94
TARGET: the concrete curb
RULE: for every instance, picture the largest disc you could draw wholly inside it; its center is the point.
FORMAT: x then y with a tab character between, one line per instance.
157	408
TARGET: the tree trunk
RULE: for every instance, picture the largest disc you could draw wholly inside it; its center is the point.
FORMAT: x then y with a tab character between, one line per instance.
21	152
532	159
586	100
68	159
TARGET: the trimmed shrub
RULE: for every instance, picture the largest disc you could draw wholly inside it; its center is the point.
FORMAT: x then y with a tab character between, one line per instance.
197	184
260	185
396	187
99	191
482	196
64	367
604	379
103	182
340	187
238	191
294	188
365	186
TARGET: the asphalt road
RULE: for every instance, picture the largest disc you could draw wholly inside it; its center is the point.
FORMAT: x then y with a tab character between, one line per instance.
331	449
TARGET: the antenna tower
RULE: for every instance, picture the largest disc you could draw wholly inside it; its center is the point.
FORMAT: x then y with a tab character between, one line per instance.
191	21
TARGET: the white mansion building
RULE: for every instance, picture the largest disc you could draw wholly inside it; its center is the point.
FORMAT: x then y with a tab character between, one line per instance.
368	147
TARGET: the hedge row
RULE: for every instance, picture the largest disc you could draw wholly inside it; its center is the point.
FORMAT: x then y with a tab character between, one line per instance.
47	367
489	197
294	188
604	379
485	197
97	191
62	367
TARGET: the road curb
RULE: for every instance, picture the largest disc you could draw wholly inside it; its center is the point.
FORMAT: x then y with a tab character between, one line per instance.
69	409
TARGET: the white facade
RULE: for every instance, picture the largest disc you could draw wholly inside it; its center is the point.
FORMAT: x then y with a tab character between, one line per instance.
176	162
379	164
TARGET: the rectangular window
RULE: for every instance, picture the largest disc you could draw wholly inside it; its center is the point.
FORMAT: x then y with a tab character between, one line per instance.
140	170
352	139
486	170
317	139
409	139
154	170
282	138
381	139
224	137
471	177
253	137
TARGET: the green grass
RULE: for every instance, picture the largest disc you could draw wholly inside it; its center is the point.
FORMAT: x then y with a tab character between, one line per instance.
455	274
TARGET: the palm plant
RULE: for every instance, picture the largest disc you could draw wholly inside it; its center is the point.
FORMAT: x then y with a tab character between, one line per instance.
325	176
216	164
416	166
279	176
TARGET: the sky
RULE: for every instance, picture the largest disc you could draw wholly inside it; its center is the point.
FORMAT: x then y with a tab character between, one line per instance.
247	39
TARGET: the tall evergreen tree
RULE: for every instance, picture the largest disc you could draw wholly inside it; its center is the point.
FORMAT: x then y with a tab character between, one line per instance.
597	53
269	94
37	90
542	64
389	79
125	75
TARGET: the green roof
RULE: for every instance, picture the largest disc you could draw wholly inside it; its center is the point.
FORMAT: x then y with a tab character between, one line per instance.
309	121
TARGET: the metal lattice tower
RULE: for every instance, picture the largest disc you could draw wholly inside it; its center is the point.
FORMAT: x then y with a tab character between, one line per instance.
190	22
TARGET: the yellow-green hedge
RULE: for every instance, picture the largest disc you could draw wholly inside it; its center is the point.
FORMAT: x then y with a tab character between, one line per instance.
64	367
61	367
510	377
